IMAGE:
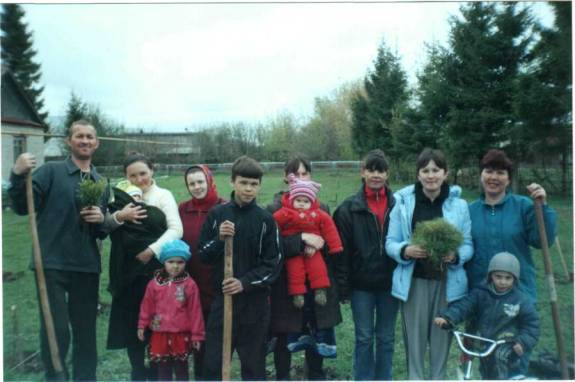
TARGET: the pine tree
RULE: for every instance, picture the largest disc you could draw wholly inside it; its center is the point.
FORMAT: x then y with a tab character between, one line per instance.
75	111
18	54
386	94
545	96
489	46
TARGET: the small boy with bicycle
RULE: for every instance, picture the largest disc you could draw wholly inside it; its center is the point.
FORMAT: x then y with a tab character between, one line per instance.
499	310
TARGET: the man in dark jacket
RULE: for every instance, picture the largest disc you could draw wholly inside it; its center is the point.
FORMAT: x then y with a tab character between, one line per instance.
364	270
256	261
287	320
70	256
500	311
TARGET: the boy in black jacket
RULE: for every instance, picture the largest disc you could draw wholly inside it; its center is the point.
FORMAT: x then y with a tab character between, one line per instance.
500	311
256	261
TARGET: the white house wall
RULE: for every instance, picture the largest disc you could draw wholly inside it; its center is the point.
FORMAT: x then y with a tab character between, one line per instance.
34	145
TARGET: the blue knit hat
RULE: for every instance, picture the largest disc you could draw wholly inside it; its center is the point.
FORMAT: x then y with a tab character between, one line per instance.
175	248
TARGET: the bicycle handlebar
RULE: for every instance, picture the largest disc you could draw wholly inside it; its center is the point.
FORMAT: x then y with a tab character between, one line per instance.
493	343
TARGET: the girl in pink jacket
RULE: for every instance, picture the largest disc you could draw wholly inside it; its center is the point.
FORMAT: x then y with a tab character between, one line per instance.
171	309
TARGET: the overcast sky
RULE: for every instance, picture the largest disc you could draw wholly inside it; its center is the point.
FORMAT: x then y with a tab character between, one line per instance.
168	67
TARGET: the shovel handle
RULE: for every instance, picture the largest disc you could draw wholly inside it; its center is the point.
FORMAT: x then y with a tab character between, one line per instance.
228	312
551	286
41	279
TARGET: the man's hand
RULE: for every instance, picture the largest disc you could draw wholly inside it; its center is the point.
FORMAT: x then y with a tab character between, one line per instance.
415	252
145	256
132	213
227	228
92	215
232	286
196	345
313	240
24	163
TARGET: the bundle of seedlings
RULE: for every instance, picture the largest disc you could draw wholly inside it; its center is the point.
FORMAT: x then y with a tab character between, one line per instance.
438	238
90	192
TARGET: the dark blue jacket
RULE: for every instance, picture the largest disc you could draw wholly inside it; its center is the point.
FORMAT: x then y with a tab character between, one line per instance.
497	316
256	258
66	243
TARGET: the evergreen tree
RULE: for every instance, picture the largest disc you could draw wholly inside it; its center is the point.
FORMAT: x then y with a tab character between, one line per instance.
18	54
75	111
434	100
545	92
489	45
386	93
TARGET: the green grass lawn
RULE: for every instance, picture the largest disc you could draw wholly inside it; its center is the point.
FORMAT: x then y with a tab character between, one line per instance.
20	309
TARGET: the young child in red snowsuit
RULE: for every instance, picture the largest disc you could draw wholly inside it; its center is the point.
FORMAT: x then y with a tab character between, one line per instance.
300	213
171	308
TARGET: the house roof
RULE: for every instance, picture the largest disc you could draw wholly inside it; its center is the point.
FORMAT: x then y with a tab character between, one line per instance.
7	75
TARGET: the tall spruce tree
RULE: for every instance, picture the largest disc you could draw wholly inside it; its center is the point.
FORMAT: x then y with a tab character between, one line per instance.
386	94
18	54
545	95
489	45
433	96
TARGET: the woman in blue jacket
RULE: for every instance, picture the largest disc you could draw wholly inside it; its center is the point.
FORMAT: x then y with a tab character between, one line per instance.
423	289
504	221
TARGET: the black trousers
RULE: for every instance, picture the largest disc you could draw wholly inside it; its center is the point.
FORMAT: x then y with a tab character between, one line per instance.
249	340
73	298
282	361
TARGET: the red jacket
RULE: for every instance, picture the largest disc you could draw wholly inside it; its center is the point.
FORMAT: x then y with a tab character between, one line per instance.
291	221
193	213
172	306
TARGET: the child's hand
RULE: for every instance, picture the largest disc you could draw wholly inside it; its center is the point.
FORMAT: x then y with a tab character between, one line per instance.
309	251
141	334
196	345
518	349
439	321
232	286
227	228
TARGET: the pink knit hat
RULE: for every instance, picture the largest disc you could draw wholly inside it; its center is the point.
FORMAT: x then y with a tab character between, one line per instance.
298	187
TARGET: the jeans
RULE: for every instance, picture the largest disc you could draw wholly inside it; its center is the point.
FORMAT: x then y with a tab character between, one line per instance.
368	307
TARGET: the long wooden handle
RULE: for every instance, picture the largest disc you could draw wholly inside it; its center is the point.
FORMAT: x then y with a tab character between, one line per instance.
551	286
228	316
42	291
568	274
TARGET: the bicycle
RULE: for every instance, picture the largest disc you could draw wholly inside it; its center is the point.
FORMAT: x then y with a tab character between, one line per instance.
489	347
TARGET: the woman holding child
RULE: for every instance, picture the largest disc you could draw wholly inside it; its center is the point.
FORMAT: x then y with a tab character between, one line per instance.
423	287
288	320
132	263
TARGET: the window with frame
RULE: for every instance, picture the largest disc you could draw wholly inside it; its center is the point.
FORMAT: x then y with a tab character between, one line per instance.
19	145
